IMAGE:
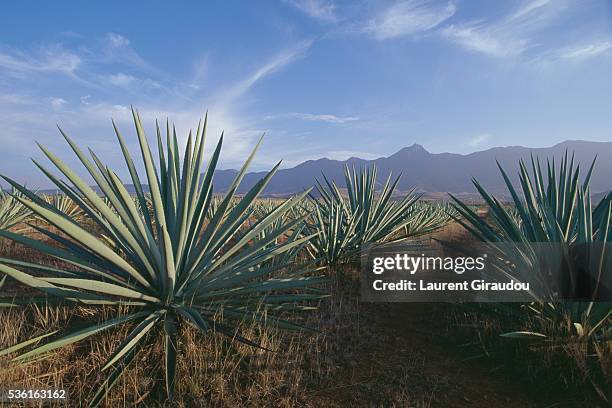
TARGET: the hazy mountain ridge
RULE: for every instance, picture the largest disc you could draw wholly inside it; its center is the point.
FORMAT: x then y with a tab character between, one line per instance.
437	172
433	174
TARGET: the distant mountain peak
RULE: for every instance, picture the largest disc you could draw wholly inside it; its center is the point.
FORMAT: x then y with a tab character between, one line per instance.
439	173
415	148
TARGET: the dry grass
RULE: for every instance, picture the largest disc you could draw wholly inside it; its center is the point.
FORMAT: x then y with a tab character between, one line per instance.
305	368
213	370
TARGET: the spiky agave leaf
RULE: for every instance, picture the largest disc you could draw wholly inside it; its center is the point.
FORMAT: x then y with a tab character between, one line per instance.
295	219
336	240
550	207
172	265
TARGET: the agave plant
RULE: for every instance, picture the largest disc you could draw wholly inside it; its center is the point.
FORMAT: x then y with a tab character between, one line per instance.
553	209
336	241
12	212
169	267
65	205
368	216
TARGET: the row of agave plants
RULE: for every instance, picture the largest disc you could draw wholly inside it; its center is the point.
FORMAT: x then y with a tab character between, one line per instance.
173	253
176	254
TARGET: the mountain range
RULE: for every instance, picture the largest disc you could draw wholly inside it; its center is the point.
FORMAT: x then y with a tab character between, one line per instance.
435	174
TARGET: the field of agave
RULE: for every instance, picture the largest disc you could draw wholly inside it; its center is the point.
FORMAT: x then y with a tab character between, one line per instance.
173	256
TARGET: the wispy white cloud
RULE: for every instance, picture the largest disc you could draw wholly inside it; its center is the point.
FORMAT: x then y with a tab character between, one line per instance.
200	73
120	79
225	105
485	39
56	58
86	63
49	58
325	118
118	49
278	62
316	117
114	42
322	10
16	99
408	18
585	51
478	140
576	52
510	36
527	7
58	103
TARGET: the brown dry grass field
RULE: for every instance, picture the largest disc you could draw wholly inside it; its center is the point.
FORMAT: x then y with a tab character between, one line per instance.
361	354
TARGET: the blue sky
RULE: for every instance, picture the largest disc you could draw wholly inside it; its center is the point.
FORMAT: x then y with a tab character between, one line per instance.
322	78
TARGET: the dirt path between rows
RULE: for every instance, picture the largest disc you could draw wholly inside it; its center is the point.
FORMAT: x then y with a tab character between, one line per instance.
407	360
409	366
